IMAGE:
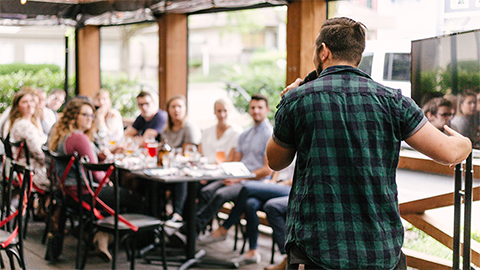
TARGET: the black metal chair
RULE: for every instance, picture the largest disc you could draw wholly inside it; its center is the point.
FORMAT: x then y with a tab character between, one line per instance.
12	226
69	205
129	225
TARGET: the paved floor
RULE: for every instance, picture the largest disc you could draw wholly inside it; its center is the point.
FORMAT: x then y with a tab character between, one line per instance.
411	185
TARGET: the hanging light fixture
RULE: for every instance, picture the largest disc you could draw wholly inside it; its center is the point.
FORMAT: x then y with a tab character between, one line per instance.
23	2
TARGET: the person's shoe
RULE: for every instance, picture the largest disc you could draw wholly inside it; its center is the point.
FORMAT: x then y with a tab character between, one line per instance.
177	240
174	222
280	266
242	260
102	240
208	239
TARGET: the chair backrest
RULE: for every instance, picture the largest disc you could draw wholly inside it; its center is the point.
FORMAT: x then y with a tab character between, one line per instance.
25	176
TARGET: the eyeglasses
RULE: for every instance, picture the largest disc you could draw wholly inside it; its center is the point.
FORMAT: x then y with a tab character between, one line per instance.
446	114
140	105
88	115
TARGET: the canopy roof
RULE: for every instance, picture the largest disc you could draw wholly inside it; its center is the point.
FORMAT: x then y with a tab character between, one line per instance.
78	13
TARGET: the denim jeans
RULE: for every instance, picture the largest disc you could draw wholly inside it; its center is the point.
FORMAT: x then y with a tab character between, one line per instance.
276	210
252	197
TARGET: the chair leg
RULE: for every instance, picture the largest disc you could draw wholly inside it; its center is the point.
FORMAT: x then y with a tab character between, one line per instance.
244	235
132	249
164	252
236	237
273	251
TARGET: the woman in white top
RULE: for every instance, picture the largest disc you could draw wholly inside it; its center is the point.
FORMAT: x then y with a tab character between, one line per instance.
108	120
221	137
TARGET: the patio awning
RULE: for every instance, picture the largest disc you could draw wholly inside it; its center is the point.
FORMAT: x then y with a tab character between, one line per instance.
78	13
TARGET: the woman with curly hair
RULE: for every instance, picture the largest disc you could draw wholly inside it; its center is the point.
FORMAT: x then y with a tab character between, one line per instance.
74	133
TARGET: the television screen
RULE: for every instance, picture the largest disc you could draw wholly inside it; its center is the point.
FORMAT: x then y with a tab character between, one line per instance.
448	67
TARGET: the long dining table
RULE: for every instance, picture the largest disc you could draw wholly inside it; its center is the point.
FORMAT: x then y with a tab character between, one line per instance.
192	177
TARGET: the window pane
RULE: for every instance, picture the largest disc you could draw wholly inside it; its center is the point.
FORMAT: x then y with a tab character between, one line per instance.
366	64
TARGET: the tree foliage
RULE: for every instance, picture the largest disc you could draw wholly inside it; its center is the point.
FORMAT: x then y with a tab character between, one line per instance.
123	90
265	74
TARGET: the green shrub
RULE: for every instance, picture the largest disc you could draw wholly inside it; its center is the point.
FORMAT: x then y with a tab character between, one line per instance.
262	75
35	68
123	90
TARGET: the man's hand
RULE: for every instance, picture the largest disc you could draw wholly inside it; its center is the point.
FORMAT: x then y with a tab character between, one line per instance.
296	83
231	181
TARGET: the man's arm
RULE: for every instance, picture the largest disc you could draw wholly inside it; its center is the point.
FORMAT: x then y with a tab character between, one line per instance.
131	131
448	150
278	156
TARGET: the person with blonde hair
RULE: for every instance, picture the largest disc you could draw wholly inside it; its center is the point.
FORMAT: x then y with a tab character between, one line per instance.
109	121
220	137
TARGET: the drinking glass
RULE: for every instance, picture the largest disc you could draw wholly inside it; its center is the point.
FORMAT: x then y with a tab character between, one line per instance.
190	151
131	145
220	156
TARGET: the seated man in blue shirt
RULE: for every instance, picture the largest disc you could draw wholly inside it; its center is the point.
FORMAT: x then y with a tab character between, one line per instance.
151	120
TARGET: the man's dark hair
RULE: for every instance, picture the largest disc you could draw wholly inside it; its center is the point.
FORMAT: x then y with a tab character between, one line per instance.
432	105
344	37
144	94
260	97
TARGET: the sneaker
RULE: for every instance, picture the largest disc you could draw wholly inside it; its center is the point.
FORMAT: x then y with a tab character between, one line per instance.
208	239
242	260
174	222
177	240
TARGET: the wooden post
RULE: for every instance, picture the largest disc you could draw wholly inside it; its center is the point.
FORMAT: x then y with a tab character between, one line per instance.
304	19
173	57
88	60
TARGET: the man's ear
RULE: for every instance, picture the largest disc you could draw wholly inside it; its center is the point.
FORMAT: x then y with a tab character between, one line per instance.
429	116
324	52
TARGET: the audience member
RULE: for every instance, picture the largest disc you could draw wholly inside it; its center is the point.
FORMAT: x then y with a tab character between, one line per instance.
251	151
221	137
26	126
47	117
74	133
439	112
151	120
465	120
345	131
178	133
55	99
4	122
108	120
253	196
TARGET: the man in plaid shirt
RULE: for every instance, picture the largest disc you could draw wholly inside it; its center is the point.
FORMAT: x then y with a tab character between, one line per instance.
346	130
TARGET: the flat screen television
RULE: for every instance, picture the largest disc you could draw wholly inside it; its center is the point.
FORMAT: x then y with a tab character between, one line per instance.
449	66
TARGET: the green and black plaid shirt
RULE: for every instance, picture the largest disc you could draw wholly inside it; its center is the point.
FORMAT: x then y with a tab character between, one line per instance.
347	129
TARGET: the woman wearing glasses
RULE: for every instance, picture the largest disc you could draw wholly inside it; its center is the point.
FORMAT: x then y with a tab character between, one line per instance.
74	133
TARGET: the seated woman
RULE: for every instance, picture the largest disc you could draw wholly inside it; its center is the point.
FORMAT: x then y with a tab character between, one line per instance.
108	120
26	126
74	133
221	137
178	133
465	120
254	196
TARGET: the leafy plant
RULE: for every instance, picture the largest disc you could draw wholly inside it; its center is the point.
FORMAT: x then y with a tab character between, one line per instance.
123	92
16	67
262	75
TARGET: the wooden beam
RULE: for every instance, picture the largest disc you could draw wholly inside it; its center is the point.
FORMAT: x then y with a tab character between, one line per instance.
422	261
443	200
173	57
304	19
441	232
88	60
